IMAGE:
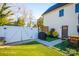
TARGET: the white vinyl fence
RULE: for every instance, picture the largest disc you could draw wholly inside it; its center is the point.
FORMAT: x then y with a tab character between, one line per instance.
16	33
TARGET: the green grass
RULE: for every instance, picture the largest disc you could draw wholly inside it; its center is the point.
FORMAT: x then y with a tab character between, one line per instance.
31	49
66	48
48	39
62	45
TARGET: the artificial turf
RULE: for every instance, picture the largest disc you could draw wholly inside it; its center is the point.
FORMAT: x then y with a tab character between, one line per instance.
30	49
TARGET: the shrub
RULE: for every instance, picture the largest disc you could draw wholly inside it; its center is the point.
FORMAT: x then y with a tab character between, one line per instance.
42	35
55	34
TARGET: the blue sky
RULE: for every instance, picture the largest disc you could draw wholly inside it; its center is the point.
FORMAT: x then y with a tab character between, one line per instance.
36	8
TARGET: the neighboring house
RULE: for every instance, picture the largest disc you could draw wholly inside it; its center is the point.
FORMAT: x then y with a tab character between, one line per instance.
64	17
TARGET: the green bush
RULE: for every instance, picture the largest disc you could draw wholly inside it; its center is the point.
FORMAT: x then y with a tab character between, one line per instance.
53	33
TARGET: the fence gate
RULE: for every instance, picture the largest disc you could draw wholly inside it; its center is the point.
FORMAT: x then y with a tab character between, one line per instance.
15	33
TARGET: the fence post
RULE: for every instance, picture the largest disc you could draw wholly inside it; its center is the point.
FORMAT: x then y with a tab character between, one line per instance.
21	33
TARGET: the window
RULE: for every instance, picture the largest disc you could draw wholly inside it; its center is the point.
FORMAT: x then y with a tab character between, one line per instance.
77	7
78	18
61	13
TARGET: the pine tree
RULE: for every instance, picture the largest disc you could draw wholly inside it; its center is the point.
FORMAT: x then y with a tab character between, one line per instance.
5	12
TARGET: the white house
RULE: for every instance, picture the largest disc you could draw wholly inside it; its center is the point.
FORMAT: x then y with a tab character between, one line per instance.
64	17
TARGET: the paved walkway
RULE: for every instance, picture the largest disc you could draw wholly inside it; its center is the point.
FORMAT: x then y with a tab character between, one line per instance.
20	42
52	43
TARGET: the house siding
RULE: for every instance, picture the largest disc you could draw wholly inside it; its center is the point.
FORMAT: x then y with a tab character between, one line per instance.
70	18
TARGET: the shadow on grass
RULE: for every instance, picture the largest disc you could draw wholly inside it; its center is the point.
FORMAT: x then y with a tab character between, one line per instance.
30	43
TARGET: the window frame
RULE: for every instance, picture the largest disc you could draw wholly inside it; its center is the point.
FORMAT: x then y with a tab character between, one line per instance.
61	12
77	8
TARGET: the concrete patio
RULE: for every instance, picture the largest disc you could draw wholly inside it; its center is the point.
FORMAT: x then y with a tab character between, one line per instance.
52	43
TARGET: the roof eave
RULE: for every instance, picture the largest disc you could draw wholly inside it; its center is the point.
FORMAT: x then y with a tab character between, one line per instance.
53	9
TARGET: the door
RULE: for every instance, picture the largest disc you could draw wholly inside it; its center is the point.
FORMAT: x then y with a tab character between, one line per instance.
64	32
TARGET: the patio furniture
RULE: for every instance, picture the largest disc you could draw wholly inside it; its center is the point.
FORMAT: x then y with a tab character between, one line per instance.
74	41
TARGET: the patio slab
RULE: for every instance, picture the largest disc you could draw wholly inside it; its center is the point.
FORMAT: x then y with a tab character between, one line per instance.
52	43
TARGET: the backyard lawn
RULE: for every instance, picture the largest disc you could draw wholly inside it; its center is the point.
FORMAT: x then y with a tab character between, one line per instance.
30	49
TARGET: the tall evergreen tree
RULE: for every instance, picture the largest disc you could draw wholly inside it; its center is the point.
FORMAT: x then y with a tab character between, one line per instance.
4	13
